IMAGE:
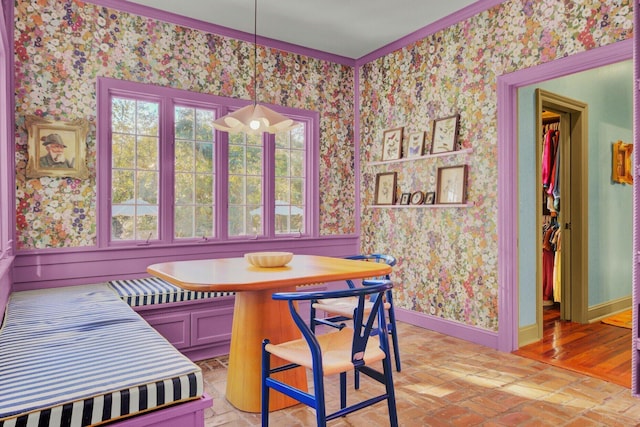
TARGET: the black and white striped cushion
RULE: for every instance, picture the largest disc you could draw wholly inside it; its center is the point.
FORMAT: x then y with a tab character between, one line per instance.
153	290
78	356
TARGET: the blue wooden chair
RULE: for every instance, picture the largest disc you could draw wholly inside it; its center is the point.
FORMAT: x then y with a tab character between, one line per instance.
336	352
339	311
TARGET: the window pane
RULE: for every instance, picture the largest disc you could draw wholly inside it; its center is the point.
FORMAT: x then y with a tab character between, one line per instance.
194	173
236	189
204	221
204	157
122	186
147	118
236	159
123	151
204	125
148	186
254	160
184	221
185	122
297	163
146	227
147	153
123	113
184	156
184	188
297	137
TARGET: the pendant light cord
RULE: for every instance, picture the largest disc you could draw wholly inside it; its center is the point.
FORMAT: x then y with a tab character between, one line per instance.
255	52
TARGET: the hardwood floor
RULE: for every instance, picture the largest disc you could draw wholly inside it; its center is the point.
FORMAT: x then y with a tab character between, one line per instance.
594	349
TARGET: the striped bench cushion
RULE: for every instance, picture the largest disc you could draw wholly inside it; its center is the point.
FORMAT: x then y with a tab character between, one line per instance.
78	356
153	290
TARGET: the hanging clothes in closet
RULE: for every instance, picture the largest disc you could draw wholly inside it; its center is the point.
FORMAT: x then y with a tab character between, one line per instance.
551	269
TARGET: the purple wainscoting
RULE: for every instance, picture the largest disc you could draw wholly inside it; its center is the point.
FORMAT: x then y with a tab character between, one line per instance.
37	269
187	414
6	283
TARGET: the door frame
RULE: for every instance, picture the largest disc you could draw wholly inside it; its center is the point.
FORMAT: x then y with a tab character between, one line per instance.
507	116
575	231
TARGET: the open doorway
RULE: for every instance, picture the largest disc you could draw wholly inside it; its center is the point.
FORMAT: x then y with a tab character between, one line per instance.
596	261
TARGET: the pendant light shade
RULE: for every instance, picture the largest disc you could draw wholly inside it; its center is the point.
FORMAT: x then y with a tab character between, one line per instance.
255	118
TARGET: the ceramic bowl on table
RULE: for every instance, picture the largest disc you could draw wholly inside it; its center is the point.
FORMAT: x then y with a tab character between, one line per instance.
268	259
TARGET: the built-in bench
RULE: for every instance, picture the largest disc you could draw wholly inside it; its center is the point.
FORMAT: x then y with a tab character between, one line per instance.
78	356
196	323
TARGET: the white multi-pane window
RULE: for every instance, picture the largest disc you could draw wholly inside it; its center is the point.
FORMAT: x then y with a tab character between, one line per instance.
194	173
135	169
166	175
290	160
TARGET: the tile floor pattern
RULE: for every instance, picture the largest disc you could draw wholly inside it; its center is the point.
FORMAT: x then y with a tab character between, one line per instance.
450	382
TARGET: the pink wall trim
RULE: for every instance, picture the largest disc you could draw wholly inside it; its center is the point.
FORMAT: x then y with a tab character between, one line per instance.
507	91
635	356
150	12
6	283
448	327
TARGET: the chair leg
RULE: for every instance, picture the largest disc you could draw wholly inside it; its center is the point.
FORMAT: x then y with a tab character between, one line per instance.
312	322
343	390
394	332
266	367
391	395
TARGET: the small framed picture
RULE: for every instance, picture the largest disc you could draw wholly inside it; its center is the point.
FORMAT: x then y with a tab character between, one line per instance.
386	188
405	198
444	137
417	197
452	185
416	144
56	148
430	198
622	163
392	144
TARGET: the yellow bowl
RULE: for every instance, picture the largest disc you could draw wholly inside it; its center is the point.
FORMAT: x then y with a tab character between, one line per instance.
268	259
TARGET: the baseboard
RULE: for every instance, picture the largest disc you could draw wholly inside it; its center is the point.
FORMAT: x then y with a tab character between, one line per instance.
528	334
596	313
448	327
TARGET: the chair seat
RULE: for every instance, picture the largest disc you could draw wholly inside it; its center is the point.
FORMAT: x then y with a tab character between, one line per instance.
336	351
344	306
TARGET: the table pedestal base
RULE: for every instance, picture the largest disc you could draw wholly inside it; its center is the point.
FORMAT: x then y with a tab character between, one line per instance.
257	316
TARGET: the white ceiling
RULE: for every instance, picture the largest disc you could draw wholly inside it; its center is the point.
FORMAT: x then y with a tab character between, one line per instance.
350	28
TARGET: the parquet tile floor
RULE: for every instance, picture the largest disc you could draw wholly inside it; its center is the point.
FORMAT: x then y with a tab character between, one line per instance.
446	381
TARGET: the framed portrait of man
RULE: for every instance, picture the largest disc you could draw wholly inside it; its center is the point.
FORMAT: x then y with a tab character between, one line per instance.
56	148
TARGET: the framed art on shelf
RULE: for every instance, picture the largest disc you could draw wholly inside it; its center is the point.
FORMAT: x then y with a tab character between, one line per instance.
415	145
385	193
444	137
405	199
430	198
452	185
417	197
392	144
56	148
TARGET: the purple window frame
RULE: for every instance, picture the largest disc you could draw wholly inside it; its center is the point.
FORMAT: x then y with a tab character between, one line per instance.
168	98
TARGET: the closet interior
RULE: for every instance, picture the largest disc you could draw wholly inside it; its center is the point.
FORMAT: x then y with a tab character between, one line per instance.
551	230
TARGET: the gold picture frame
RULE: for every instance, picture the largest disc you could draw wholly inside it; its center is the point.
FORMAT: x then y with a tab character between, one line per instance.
57	148
621	170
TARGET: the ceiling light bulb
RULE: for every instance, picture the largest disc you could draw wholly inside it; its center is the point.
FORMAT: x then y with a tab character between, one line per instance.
255	124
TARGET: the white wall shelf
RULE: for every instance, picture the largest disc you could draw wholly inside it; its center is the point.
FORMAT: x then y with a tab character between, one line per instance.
434	206
426	156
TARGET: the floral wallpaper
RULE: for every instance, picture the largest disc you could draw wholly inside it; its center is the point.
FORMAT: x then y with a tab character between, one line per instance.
61	47
448	257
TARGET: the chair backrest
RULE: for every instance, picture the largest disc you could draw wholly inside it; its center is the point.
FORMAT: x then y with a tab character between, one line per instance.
363	323
387	259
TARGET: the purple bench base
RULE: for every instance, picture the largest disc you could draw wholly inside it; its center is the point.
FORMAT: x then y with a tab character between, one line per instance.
188	414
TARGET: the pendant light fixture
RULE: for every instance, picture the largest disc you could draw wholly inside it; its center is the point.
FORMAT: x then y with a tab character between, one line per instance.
254	118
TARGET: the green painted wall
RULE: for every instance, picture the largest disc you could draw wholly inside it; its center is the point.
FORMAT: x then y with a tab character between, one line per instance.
608	91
